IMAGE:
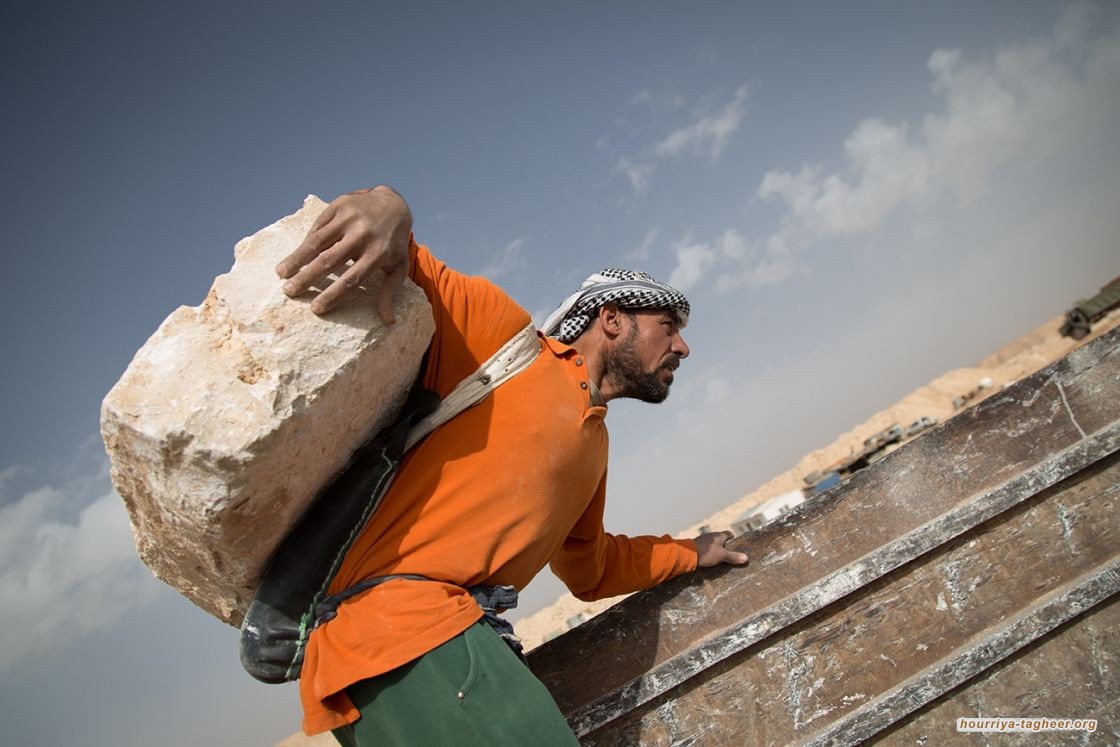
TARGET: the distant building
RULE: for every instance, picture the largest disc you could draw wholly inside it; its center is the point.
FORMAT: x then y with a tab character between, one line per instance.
826	482
1079	319
767	511
575	620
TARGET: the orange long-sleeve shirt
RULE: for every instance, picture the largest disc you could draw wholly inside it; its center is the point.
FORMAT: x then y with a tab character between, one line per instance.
491	497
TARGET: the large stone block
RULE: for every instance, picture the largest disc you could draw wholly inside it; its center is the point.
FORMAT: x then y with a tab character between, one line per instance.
236	413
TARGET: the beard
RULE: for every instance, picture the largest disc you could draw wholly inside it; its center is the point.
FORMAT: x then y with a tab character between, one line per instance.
625	371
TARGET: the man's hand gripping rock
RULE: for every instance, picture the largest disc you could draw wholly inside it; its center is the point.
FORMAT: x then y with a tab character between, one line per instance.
371	228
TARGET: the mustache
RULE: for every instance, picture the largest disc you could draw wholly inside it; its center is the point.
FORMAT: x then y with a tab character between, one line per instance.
672	362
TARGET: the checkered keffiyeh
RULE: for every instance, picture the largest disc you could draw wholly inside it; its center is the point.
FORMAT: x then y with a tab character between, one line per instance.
628	289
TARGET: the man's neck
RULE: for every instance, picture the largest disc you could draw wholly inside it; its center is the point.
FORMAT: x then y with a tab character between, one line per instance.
596	369
596	396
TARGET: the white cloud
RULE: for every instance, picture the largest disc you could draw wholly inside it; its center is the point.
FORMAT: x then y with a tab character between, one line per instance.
706	136
695	258
1014	106
8	474
640	253
1029	101
66	569
658	101
508	260
709	134
638	174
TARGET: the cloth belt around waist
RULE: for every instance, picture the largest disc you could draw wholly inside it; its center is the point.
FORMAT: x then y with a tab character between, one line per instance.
491	599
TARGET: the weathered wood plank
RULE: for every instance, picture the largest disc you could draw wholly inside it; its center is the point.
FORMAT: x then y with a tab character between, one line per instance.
1005	450
867	661
1074	672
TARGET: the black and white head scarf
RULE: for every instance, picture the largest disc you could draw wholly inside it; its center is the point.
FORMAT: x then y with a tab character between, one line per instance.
626	288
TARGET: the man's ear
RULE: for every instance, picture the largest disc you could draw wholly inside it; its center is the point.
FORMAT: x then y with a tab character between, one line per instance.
610	320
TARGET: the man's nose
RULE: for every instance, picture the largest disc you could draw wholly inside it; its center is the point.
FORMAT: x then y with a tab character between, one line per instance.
680	347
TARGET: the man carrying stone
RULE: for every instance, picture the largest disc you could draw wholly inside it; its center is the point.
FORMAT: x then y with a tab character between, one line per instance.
489	498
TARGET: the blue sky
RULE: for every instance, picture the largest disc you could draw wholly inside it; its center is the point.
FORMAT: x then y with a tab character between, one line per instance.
856	197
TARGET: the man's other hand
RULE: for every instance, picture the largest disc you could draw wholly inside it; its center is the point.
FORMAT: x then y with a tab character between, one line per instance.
372	229
710	550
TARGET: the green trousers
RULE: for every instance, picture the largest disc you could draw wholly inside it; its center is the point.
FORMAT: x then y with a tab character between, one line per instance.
472	690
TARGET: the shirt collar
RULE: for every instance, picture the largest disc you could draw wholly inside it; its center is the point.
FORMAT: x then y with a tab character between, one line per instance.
562	350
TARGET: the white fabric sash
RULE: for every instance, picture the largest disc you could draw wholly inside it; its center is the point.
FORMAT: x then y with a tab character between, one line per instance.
510	360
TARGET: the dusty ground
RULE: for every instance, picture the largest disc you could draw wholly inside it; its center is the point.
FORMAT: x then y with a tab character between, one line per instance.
1020	358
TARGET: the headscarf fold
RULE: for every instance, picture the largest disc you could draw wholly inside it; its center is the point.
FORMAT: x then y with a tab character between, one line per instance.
628	289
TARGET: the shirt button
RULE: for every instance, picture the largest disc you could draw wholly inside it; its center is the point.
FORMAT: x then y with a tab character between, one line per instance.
583	385
579	361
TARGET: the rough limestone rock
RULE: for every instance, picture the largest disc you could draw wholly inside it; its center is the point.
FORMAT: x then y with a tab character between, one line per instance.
236	413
